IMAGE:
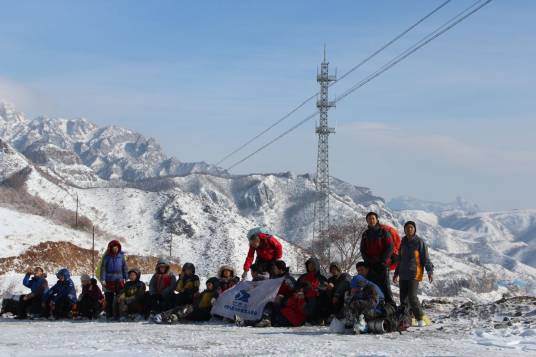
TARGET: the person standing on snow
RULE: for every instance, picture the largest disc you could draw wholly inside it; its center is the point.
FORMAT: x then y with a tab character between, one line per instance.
266	246
376	250
414	258
112	274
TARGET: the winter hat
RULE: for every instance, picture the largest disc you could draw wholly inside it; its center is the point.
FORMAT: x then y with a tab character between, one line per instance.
336	266
372	214
188	266
85	277
137	271
281	265
215	282
255	231
411	223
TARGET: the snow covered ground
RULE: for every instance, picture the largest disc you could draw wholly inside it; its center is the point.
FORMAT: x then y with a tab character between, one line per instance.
44	338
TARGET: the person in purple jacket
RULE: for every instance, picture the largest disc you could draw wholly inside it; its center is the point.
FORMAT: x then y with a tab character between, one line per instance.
113	273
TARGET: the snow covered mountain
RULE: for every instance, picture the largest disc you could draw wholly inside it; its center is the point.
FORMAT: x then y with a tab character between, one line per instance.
111	152
130	190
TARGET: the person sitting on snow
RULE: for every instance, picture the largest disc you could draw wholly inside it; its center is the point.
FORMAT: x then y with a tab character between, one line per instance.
280	270
162	287
227	277
198	311
316	308
338	285
258	274
38	286
60	300
131	300
187	285
91	300
267	248
21	305
112	273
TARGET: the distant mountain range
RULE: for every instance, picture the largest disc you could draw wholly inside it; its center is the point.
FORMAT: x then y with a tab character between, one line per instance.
131	190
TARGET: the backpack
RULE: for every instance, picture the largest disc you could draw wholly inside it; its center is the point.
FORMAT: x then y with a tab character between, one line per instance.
396	244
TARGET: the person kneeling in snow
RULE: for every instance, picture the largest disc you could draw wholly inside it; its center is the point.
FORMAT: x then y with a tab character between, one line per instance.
198	311
161	287
187	286
366	303
91	300
131	300
268	249
60	300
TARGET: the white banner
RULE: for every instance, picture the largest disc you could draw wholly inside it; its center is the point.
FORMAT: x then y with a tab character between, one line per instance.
247	299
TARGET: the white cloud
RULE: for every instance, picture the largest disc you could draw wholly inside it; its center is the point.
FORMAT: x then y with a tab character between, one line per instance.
402	141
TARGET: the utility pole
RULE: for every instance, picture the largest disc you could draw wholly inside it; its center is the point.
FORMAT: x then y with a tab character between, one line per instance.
93	254
76	217
322	164
170	243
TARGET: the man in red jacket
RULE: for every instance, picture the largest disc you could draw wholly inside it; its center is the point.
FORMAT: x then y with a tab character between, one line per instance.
267	247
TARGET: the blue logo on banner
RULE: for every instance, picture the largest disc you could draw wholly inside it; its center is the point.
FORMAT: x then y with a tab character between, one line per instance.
242	296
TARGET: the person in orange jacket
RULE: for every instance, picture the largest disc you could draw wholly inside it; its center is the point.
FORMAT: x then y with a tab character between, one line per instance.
267	248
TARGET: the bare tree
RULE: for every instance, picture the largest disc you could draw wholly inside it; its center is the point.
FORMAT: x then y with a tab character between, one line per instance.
342	243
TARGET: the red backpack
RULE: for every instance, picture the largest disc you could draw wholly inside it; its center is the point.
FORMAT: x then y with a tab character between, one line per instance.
396	244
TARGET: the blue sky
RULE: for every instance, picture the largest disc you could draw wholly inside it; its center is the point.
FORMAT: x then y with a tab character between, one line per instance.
457	118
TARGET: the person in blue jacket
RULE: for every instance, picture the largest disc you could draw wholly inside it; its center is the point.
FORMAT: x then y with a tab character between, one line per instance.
60	300
38	286
113	274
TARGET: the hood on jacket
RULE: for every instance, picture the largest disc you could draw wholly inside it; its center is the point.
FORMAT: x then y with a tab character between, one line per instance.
255	231
113	243
188	266
316	263
335	265
215	282
226	267
137	271
65	273
162	262
359	281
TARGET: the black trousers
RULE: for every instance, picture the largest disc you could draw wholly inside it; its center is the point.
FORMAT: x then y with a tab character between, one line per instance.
33	306
110	298
62	308
408	295
89	307
379	275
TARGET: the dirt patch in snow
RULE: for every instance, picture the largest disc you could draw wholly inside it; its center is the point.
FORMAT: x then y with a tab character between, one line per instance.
56	255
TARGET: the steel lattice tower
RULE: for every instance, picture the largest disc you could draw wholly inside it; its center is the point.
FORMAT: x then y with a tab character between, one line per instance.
322	165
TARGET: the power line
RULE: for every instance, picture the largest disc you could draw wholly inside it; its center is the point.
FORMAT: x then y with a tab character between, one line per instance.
397	59
302	104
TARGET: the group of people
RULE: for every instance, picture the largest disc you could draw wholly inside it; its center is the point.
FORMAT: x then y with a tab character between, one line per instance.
363	302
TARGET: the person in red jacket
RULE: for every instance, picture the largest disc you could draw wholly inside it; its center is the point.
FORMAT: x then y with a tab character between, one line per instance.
268	249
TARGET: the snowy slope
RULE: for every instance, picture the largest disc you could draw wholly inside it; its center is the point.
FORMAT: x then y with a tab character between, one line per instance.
206	216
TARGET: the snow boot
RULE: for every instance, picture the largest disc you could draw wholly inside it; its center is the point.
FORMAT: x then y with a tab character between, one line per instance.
264	323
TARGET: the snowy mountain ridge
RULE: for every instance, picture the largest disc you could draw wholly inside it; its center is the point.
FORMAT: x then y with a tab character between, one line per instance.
111	152
118	178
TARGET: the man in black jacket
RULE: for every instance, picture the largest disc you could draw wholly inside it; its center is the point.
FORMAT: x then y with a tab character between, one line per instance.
376	250
414	258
